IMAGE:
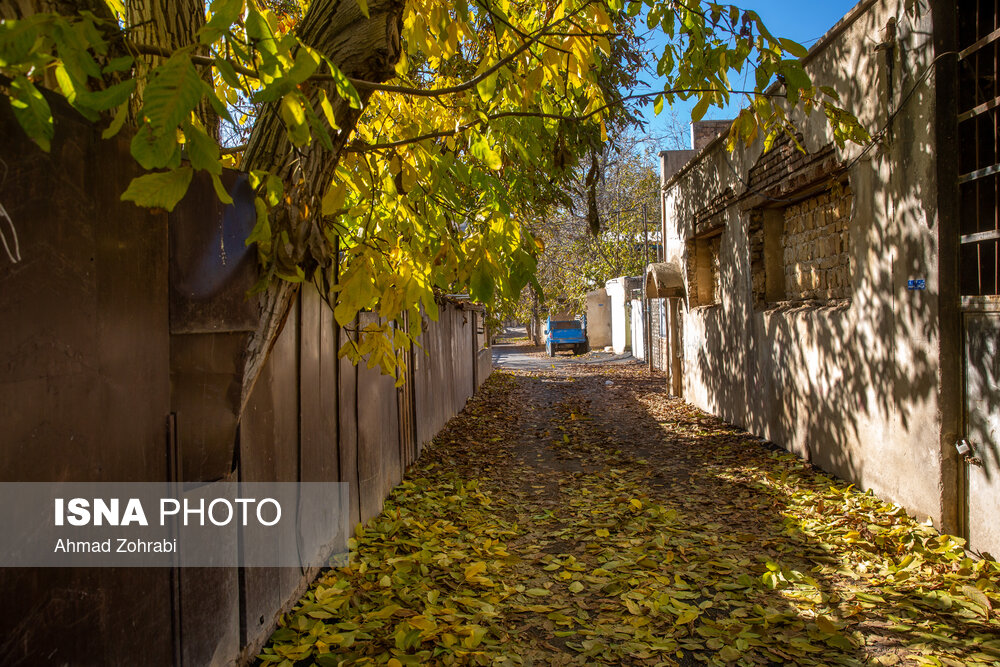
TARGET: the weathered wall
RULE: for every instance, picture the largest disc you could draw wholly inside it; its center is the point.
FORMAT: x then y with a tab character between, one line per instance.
620	294
637	324
598	318
851	383
121	341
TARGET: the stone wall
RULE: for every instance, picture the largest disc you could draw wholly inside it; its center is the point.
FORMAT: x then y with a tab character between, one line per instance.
815	247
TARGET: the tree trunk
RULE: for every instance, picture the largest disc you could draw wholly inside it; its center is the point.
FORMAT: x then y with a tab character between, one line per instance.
170	24
363	48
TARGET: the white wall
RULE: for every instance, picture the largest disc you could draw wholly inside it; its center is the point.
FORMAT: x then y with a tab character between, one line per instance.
619	290
638	329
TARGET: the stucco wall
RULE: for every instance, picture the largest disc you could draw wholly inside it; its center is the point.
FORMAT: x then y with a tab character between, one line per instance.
620	292
638	327
849	384
598	318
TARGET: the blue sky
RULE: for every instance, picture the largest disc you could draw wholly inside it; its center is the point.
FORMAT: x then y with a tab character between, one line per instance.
805	21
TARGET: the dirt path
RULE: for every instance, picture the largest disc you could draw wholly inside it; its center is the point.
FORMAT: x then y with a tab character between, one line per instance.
580	516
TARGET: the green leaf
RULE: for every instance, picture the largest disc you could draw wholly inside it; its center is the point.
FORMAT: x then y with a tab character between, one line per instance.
261	233
481	150
117	122
32	112
119	64
344	87
155	151
793	48
227	73
327	108
173	93
224	13
482	286
220	190
698	112
729	654
202	150
294	116
108	98
306	62
160	189
18	38
658	104
487	87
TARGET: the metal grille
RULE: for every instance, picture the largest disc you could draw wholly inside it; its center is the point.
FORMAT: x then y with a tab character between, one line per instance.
979	146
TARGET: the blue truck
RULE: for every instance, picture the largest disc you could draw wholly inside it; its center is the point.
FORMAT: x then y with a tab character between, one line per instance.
566	334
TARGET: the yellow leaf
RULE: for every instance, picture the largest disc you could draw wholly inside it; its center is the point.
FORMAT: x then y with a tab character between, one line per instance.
474	569
825	625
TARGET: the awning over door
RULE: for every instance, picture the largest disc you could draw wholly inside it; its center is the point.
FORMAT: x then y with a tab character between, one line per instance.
664	280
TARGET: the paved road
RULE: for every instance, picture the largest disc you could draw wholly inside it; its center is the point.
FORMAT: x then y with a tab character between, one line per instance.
524	358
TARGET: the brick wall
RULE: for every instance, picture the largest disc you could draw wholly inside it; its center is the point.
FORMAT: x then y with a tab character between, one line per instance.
703	132
810	259
814	243
692	273
757	268
704	271
714	245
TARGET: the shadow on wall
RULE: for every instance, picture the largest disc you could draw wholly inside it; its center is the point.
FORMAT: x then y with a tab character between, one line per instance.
851	385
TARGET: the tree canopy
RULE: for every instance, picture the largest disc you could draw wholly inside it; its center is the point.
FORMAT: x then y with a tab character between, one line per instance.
399	149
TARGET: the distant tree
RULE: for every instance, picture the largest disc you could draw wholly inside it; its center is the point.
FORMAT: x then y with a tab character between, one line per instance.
575	259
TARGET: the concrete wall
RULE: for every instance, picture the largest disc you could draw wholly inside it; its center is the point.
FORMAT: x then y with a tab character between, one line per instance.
638	328
851	384
620	293
598	318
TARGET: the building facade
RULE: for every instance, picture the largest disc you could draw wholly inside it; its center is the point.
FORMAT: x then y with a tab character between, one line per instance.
843	302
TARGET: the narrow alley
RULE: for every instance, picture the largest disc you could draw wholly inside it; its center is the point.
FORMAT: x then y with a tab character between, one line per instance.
577	514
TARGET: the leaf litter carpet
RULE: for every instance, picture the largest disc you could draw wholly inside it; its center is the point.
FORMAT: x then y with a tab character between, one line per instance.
563	520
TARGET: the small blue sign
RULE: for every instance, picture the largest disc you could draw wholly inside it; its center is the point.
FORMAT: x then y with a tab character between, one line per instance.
916	284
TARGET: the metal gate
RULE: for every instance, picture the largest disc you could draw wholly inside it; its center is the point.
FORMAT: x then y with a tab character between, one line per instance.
979	266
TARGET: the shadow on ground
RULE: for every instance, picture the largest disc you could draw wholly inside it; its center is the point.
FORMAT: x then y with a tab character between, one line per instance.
578	515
